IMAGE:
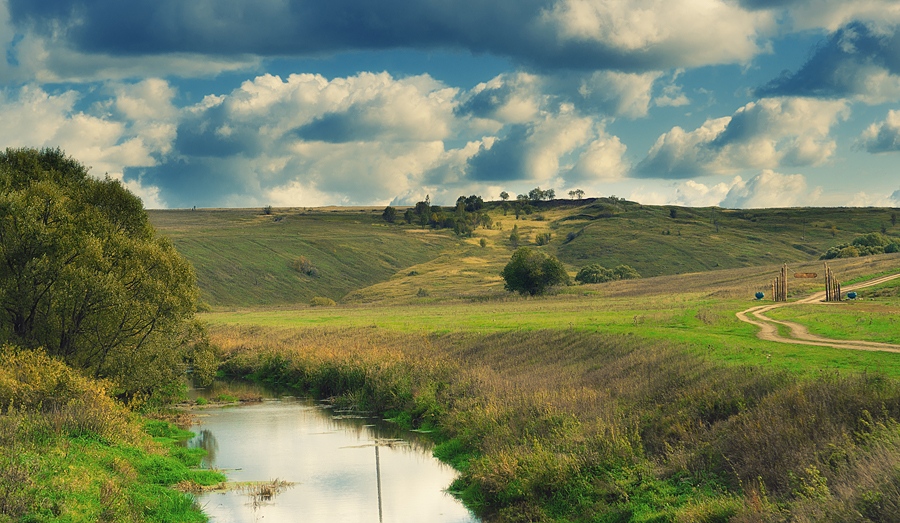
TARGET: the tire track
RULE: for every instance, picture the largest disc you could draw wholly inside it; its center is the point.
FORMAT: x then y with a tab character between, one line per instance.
799	334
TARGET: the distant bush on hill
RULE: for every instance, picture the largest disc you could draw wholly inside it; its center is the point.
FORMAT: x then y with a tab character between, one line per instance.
865	245
319	301
304	266
595	273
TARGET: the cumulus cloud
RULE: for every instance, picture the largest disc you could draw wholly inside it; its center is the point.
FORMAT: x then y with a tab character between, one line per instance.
770	189
882	137
769	133
696	32
532	151
831	14
359	139
549	34
860	61
603	160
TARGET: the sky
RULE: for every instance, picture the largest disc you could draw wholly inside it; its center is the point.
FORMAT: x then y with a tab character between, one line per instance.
304	103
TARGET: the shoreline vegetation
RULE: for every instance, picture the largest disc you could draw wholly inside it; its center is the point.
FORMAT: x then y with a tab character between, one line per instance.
554	425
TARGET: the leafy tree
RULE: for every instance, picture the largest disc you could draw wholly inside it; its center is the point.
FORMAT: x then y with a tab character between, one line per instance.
389	215
514	237
409	215
626	272
533	272
504	196
84	275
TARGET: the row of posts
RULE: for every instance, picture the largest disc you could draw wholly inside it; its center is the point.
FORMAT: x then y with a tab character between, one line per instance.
832	286
779	286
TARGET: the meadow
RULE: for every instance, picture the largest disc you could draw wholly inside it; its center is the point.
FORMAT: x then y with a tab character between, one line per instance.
639	400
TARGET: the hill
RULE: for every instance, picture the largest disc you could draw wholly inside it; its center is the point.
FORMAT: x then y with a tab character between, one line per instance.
247	258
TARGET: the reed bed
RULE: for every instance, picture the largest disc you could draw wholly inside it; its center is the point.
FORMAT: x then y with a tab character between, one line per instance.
565	425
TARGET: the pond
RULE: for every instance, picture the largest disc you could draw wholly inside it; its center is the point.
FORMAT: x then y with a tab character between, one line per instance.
318	465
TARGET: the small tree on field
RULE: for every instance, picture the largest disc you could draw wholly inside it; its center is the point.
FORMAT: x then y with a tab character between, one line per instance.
514	237
504	196
533	272
389	214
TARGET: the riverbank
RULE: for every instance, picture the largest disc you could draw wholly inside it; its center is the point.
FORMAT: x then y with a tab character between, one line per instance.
70	453
578	426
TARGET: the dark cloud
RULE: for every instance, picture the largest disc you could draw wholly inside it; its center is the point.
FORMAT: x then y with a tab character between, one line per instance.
768	4
196	182
839	66
883	137
485	103
334	128
211	134
519	29
504	161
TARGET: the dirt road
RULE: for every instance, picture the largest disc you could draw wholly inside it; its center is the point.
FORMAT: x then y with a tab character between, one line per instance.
800	335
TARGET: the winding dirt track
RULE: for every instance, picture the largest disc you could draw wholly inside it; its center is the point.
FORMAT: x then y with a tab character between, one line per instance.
800	335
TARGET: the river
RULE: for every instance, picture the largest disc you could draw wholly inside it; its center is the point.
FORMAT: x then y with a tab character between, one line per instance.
330	467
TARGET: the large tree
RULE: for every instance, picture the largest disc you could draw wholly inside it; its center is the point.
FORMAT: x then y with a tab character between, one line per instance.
532	271
84	275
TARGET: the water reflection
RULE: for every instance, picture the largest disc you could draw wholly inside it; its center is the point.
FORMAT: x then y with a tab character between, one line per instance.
329	460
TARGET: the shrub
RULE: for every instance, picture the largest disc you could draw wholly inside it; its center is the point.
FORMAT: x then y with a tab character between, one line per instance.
320	301
304	266
594	273
533	272
389	215
543	238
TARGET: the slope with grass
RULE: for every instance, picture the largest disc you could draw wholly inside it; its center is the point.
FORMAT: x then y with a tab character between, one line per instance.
246	258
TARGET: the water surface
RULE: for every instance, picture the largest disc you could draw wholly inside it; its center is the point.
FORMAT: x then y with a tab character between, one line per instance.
343	468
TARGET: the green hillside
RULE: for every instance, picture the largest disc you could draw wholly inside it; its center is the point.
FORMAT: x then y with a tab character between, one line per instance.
246	258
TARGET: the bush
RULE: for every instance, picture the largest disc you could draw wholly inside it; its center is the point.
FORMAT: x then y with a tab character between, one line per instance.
389	215
543	238
304	266
320	301
533	272
595	273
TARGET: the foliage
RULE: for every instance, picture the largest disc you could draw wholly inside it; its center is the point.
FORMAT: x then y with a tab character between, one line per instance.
537	194
303	265
533	272
68	452
319	301
542	238
863	245
389	215
595	273
561	425
84	275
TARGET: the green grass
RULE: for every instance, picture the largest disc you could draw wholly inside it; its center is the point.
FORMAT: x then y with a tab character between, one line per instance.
243	257
69	453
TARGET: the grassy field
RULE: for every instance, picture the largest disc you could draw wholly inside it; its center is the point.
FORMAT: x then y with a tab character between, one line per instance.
245	258
641	400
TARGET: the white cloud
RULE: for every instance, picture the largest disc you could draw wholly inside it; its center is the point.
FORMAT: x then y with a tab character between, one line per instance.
694	194
882	137
832	14
619	94
603	160
697	32
771	189
769	133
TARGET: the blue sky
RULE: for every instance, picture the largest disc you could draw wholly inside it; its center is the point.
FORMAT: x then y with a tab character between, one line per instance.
240	103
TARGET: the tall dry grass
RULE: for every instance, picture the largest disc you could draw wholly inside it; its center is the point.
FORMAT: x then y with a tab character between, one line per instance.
577	426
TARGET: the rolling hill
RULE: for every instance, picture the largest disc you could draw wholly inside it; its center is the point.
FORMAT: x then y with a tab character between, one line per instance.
248	258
